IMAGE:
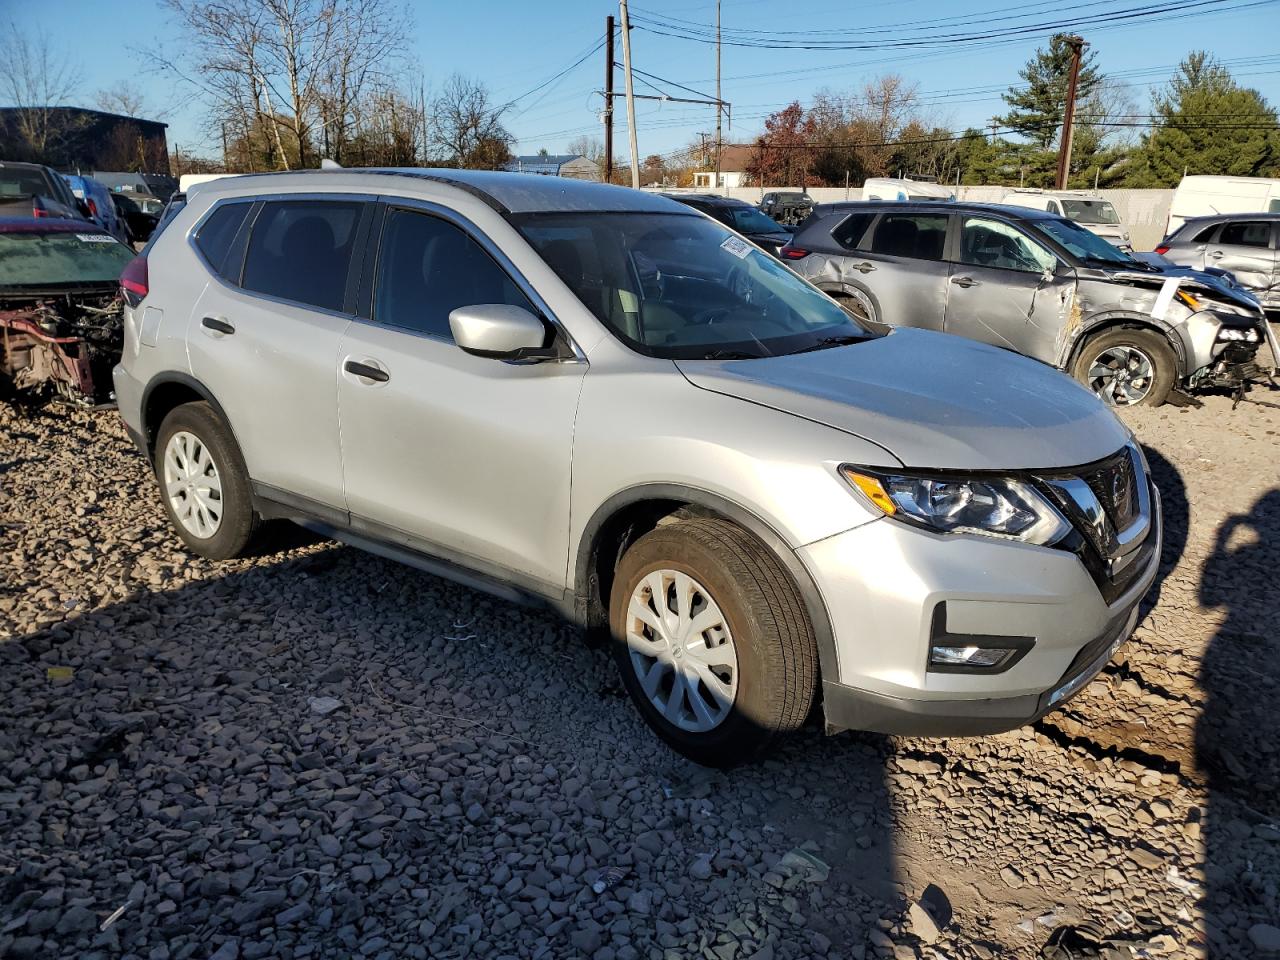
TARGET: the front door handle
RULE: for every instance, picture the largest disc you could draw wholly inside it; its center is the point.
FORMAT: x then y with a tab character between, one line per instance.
965	281
1216	254
359	369
864	267
218	325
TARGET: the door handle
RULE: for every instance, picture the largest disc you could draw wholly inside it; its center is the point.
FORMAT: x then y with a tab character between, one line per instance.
365	370
217	325
864	267
965	281
1216	254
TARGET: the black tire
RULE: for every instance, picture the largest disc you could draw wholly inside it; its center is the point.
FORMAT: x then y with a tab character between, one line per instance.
1164	363
777	656
239	521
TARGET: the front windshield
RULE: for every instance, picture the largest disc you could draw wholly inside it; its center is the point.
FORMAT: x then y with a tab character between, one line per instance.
751	220
60	259
1089	211
680	286
1083	244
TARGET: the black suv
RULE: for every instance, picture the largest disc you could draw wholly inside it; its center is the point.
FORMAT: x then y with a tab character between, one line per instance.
738	215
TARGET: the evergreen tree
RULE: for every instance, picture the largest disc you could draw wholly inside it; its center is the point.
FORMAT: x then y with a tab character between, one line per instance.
1037	104
1207	123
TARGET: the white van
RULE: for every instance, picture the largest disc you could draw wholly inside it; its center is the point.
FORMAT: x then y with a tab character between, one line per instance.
1199	196
891	188
1093	213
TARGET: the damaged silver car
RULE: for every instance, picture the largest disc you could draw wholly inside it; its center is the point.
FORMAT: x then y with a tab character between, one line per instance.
1037	283
60	309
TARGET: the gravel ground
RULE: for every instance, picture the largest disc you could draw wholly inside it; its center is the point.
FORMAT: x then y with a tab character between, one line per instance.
319	753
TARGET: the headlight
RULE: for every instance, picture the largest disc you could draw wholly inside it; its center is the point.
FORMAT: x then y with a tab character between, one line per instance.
1247	334
1200	301
992	506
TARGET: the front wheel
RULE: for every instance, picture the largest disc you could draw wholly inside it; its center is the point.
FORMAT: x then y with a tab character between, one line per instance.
1127	367
712	640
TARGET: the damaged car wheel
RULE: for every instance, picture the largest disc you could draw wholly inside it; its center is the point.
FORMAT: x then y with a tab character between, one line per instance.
1127	367
203	482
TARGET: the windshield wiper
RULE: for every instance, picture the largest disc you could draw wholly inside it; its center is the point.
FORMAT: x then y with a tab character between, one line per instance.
1129	263
730	355
843	340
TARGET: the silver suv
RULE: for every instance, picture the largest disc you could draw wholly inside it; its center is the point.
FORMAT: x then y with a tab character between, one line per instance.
601	400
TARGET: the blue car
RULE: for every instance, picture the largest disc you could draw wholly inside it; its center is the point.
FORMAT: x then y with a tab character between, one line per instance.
98	199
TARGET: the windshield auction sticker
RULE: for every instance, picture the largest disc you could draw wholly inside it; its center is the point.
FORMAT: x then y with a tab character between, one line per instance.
95	238
737	246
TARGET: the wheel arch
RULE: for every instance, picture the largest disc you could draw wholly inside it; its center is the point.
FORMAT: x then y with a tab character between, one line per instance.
166	391
629	514
1125	319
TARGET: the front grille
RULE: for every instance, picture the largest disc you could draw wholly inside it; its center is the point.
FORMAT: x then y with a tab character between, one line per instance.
1114	483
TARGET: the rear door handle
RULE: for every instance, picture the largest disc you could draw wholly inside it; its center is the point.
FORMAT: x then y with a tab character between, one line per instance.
864	267
218	325
356	368
965	281
1216	254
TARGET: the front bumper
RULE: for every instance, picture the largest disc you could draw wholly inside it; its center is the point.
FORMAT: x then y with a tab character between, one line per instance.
882	584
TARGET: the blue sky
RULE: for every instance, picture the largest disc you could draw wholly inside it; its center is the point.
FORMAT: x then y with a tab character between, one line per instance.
514	45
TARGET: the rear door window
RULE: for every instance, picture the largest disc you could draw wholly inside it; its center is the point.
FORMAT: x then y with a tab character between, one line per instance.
300	250
1246	233
217	235
920	236
429	267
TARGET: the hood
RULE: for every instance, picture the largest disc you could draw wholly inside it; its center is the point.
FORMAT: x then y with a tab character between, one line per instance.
1215	282
933	400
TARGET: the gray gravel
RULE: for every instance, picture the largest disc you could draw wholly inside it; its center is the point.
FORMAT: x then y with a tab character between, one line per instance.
319	753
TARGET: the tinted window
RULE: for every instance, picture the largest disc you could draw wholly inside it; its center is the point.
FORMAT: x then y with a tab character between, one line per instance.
1247	233
300	250
1204	235
679	286
918	235
428	267
849	233
217	235
990	243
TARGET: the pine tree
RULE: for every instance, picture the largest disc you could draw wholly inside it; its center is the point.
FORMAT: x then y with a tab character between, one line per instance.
1038	104
1209	124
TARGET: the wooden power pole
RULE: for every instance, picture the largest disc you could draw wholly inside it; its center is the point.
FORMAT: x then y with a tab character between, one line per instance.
631	98
1068	116
608	99
719	105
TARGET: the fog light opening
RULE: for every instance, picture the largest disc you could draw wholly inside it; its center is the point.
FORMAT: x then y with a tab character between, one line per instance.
975	658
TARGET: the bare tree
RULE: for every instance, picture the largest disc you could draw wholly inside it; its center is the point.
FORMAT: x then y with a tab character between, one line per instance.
468	126
126	99
591	148
35	79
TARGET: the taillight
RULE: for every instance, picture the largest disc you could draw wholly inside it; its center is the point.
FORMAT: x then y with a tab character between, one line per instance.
788	252
133	281
1162	249
93	207
37	208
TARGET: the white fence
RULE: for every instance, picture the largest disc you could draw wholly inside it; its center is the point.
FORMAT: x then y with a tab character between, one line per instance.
1143	212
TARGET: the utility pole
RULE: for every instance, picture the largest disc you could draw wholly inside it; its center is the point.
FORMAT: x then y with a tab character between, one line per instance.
719	104
1068	116
995	125
631	97
608	99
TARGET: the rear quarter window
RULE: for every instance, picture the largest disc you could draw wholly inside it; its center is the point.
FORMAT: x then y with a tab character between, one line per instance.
850	232
217	236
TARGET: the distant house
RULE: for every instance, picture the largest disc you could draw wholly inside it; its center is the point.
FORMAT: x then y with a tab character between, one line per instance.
75	138
734	158
555	165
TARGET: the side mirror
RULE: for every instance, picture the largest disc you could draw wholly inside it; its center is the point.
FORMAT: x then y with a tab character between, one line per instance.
500	332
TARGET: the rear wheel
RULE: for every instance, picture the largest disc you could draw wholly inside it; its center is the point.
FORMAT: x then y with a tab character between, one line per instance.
203	482
1128	367
712	640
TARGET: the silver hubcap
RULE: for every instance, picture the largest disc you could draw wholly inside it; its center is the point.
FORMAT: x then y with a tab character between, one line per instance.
192	484
1121	375
682	651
